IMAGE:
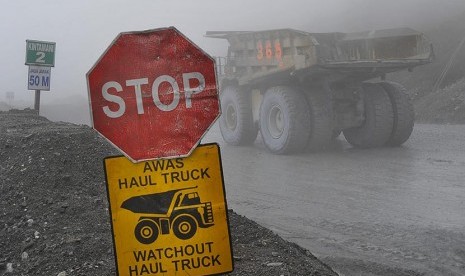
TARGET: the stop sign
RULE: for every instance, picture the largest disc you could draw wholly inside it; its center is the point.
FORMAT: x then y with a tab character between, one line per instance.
153	94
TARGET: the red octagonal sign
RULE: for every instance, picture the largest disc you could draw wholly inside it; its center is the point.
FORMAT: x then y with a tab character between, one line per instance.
153	94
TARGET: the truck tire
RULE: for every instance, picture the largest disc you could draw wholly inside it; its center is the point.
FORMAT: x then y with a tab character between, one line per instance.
321	120
146	231
377	127
404	116
236	121
284	120
184	227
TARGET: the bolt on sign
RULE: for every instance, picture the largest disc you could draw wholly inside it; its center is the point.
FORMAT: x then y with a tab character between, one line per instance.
169	216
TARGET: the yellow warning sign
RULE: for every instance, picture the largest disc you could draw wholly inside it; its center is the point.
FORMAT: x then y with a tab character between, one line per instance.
169	216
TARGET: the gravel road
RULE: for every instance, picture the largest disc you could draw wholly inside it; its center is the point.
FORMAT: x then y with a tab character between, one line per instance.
387	211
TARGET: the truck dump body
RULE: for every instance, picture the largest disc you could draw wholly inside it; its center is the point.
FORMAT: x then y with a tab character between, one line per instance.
384	50
254	55
158	203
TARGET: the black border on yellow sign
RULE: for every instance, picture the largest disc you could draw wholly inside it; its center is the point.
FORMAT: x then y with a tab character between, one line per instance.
225	203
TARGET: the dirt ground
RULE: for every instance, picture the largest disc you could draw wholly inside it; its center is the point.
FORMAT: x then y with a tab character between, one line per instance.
446	106
54	216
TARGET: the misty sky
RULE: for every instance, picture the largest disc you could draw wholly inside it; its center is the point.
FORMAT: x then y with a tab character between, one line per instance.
83	29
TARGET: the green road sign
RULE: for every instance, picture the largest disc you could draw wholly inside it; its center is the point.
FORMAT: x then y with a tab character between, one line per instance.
40	53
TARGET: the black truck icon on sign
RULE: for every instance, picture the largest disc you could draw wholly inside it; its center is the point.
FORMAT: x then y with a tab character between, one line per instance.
180	211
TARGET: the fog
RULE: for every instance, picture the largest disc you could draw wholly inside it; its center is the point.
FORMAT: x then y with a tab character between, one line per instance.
83	29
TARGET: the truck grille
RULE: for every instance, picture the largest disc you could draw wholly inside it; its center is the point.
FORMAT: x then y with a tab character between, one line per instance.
208	212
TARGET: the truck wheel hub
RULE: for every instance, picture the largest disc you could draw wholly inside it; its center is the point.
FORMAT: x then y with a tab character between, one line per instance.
231	119
184	227
146	232
275	122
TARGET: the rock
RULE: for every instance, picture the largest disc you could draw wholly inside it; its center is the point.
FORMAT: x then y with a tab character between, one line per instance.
63	273
49	201
36	234
72	240
28	243
66	177
9	267
237	258
24	256
274	264
63	207
30	222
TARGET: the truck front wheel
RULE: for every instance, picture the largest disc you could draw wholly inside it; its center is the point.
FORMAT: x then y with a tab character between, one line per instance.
146	231
236	121
184	227
284	120
377	126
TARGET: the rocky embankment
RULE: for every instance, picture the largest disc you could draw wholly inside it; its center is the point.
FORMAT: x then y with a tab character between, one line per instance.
54	216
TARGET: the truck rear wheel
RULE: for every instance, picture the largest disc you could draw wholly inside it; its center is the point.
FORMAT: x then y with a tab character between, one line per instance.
404	116
184	227
146	231
377	127
236	121
284	120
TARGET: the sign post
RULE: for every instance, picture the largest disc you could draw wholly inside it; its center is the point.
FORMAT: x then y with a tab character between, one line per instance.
169	216
153	94
40	56
37	101
10	97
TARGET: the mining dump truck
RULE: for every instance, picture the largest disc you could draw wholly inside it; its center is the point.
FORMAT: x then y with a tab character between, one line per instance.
180	211
301	90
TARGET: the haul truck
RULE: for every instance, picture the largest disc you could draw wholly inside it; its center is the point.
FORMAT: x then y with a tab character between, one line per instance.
302	89
180	211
